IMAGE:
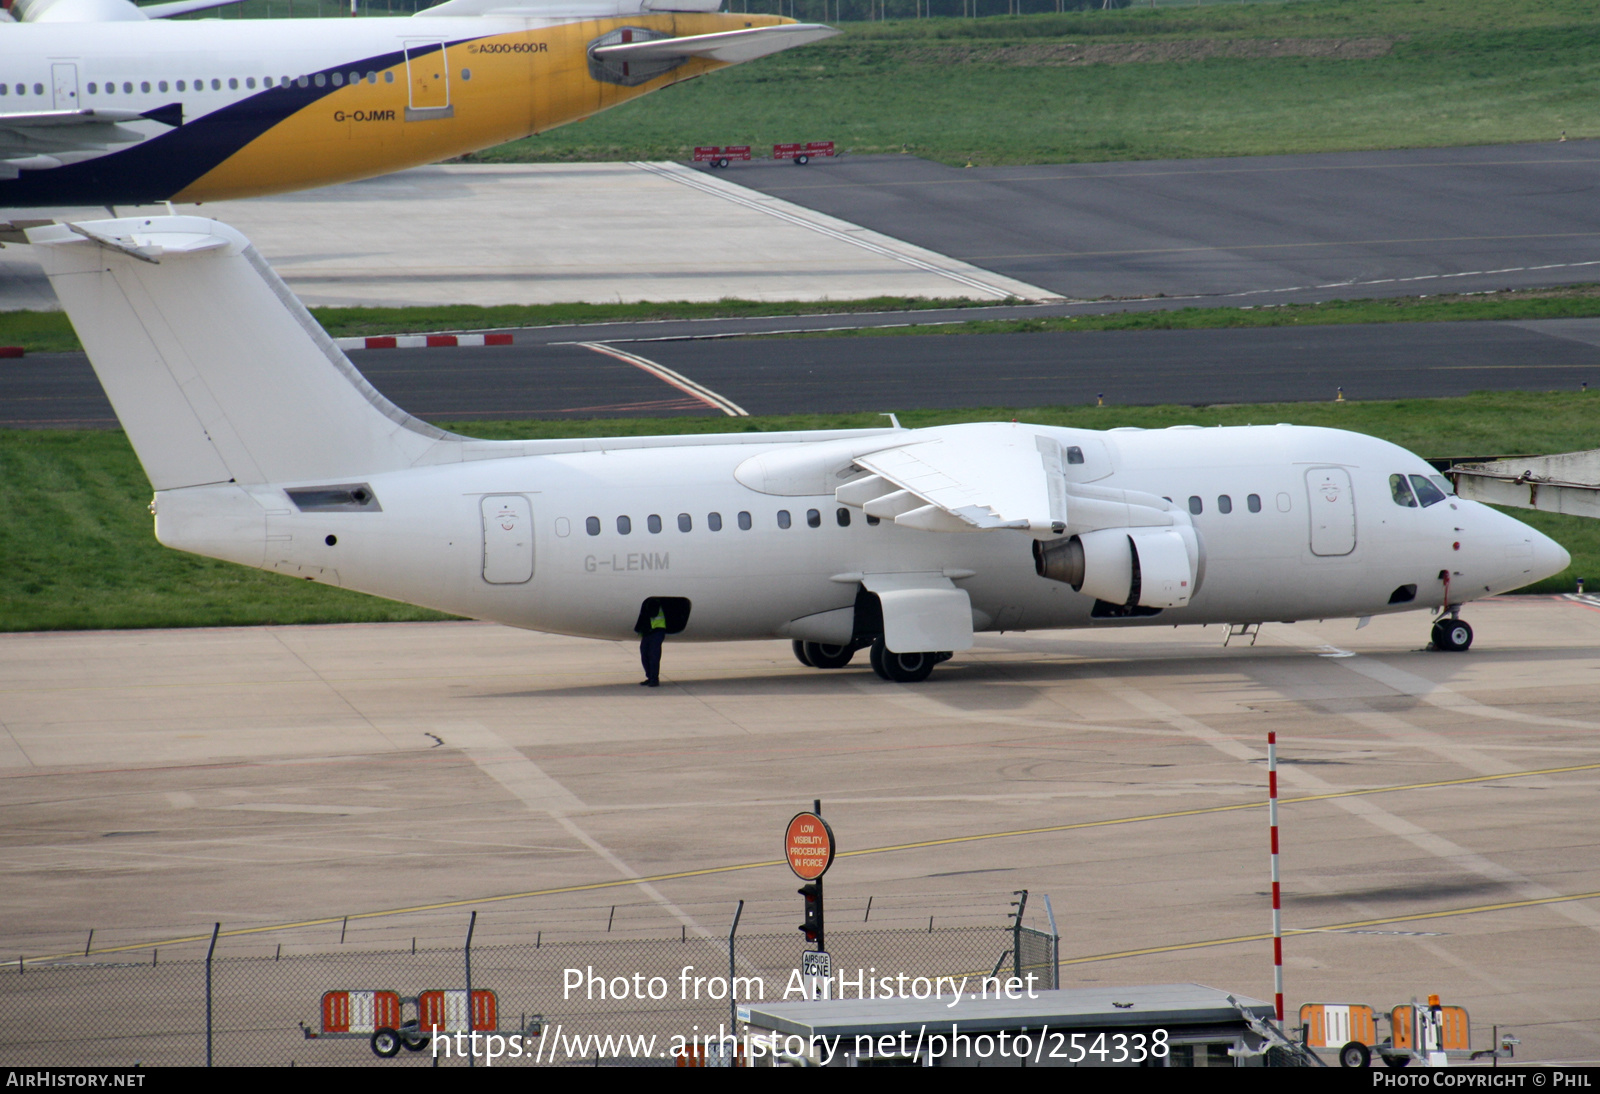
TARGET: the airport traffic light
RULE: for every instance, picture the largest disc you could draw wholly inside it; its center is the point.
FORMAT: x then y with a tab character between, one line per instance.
812	927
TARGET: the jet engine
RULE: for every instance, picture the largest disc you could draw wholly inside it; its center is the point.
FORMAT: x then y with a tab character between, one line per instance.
1148	567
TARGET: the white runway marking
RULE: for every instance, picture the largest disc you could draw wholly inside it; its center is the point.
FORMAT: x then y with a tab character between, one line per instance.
526	781
849	233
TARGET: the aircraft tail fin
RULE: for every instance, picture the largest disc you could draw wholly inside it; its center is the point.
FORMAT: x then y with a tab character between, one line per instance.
216	371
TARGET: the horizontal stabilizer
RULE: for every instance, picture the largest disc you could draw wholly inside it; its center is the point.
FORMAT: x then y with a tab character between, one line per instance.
730	47
105	11
564	9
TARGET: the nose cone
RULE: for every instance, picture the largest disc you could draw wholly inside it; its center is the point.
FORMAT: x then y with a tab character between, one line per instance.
1525	555
1549	557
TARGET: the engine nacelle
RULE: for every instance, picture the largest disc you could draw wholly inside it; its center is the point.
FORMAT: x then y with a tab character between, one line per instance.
1153	568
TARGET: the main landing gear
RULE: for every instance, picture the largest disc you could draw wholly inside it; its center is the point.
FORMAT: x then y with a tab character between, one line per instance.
1452	635
901	668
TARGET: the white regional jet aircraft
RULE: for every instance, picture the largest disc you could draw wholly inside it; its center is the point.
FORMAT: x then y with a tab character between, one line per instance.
267	448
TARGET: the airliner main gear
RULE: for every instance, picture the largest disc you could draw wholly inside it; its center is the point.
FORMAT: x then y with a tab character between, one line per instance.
822	656
902	668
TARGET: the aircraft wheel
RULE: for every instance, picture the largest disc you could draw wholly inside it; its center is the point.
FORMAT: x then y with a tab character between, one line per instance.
385	1042
1452	635
876	654
829	657
1355	1054
908	668
801	160
800	654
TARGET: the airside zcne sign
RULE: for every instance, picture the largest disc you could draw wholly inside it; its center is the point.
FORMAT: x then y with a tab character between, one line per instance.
808	844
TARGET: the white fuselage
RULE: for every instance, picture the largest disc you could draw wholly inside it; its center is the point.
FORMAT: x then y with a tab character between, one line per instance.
432	543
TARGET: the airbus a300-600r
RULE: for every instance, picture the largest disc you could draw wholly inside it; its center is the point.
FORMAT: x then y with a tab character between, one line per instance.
105	103
266	447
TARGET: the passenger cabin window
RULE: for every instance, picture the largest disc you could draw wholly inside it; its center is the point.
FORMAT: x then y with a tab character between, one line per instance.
684	523
813	518
1254	503
744	521
1196	506
872	522
1074	454
1400	489
714	521
1224	503
624	526
653	522
783	518
592	526
843	517
1427	493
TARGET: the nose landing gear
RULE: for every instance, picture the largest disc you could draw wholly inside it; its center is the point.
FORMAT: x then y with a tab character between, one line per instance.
1452	635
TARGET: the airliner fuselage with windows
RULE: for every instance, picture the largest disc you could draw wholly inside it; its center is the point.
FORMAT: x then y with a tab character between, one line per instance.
267	448
137	110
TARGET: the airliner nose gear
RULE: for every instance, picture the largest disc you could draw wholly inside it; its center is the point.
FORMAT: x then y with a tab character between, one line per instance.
1452	635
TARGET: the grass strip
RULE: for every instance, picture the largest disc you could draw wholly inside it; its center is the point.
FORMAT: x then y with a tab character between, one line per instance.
49	332
1220	80
80	553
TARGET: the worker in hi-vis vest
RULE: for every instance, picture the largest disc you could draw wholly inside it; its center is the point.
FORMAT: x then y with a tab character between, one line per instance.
652	628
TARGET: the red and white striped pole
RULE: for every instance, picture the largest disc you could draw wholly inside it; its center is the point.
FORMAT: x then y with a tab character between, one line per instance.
1277	903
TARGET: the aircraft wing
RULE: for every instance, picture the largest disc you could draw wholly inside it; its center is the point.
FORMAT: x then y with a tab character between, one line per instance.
730	47
968	478
31	140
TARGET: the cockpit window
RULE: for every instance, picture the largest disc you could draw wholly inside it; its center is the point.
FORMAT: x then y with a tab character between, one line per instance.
1427	493
1401	489
1443	484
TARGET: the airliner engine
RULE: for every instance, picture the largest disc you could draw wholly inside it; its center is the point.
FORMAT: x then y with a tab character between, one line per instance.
1147	567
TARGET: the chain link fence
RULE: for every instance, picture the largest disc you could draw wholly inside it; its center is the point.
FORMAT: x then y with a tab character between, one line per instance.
613	1000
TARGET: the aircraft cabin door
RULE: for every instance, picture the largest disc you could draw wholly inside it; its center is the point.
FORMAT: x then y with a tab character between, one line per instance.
64	82
428	80
507	539
1333	511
